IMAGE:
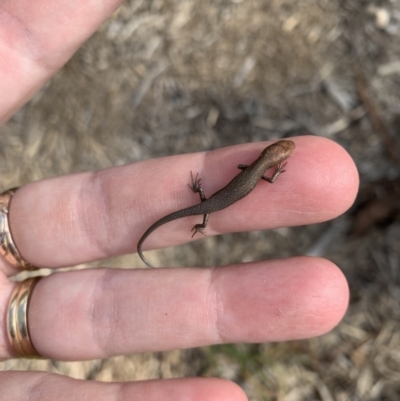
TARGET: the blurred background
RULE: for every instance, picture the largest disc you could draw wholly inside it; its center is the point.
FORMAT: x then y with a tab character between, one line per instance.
165	77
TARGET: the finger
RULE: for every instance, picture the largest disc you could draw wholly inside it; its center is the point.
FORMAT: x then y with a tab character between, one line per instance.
90	216
27	386
37	38
99	313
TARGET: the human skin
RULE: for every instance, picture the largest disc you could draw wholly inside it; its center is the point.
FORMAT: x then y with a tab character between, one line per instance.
90	216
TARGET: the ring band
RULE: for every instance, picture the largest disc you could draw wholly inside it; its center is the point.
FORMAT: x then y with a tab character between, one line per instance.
7	246
17	319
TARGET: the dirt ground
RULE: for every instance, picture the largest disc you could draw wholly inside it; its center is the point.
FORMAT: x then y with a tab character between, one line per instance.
165	77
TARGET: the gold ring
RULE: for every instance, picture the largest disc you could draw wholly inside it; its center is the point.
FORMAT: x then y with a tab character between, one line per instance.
7	246
17	319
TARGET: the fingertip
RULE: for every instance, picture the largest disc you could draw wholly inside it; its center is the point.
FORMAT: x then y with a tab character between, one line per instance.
327	294
290	299
327	173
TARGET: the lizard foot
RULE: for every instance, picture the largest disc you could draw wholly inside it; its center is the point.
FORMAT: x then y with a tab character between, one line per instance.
198	228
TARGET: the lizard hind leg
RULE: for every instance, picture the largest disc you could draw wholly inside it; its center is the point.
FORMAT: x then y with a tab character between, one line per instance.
199	228
196	187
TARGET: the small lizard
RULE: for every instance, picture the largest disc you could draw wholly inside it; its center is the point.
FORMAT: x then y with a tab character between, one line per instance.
235	190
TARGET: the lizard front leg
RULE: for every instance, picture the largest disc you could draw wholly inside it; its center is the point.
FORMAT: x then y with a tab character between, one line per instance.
278	170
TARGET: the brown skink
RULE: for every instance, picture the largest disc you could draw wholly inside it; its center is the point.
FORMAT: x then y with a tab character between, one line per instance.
238	188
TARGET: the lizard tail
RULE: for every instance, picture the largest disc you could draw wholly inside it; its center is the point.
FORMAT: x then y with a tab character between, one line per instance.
190	211
140	252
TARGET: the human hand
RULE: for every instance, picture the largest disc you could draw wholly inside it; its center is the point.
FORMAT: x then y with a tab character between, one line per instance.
104	312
